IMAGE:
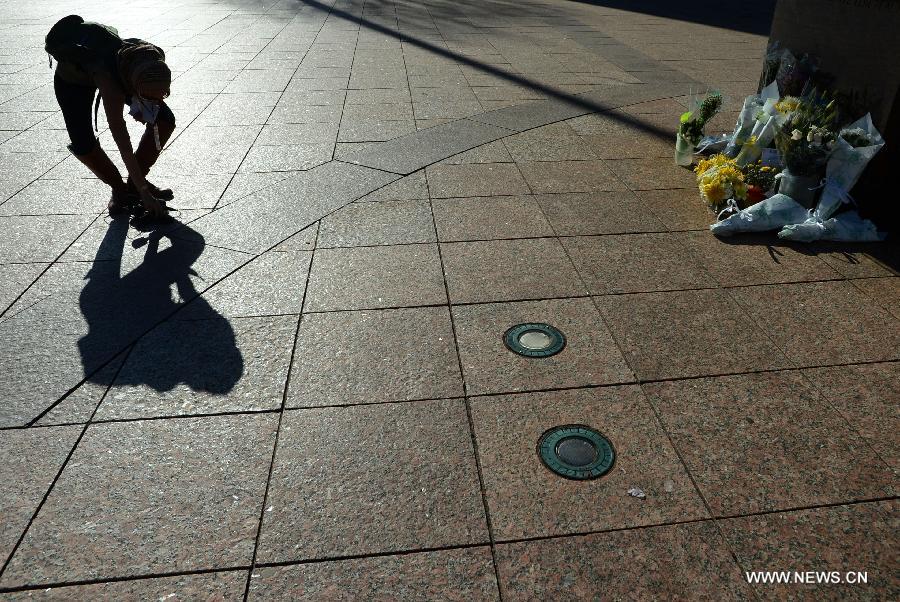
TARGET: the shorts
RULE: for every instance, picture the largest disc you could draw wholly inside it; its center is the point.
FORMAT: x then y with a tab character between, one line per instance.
77	104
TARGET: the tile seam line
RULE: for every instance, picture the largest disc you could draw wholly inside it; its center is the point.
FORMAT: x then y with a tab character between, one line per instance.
120	579
823	397
471	396
46	268
271	111
451	547
565	97
62	468
473	118
470	423
284	402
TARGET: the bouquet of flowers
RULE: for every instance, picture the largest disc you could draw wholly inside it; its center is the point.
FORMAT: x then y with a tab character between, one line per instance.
720	179
753	104
854	147
690	128
760	179
805	141
693	122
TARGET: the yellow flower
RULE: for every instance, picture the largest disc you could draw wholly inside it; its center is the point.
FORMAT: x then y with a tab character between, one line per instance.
788	104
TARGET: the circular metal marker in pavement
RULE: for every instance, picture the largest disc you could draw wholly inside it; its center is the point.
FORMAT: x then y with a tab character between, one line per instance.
534	340
576	451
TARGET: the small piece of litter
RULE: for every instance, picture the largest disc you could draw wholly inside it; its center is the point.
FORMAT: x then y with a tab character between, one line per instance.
669	485
269	509
637	492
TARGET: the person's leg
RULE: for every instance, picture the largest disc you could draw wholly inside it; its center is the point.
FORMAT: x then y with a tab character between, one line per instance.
75	102
147	152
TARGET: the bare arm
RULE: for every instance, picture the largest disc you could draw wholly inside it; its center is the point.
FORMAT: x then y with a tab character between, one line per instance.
113	101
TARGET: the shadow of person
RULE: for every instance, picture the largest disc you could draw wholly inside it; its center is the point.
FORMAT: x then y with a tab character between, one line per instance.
121	308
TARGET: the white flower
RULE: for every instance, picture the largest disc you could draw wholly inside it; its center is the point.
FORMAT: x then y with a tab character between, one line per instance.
809	136
796	135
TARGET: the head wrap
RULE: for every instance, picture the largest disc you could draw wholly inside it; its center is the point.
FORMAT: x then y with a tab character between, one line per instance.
143	63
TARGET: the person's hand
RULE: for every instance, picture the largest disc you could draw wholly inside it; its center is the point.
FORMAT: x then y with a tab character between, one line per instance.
154	207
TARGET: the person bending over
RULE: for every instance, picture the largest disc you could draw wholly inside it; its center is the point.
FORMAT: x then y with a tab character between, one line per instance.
92	57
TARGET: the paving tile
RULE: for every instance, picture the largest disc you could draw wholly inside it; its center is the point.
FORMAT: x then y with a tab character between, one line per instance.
412	152
507	270
441	109
569	176
271	215
305	240
819	323
841	538
151	497
80	315
198	191
79	406
286	157
687	333
297	133
867	395
21	243
384	223
378	96
32	457
677	209
45	197
612	212
885	292
459	575
362	480
15	278
492	152
644	174
245	184
766	441
528	115
304	113
635	263
860	261
375	277
411	187
388	111
208	586
527	500
333	361
483	179
672	562
365	129
234	367
184	159
271	284
748	260
484	218
589	358
555	142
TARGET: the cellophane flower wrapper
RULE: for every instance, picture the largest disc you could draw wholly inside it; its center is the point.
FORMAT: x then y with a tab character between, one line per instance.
844	227
771	214
752	150
746	121
845	166
754	105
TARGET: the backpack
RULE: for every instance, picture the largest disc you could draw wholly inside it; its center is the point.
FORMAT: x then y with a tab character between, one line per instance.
74	40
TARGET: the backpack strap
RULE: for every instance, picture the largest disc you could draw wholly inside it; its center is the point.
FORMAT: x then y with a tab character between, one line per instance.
96	109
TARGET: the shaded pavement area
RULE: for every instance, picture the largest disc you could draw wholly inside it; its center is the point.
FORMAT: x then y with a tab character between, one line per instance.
300	389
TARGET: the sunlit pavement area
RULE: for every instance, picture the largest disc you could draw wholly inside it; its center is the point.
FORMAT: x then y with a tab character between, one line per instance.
302	388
